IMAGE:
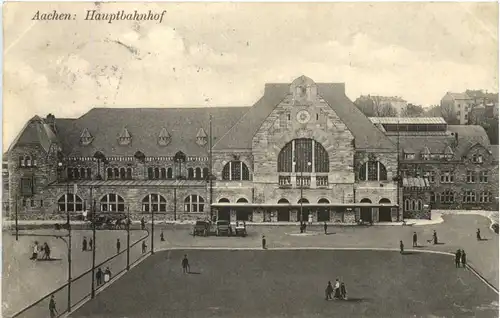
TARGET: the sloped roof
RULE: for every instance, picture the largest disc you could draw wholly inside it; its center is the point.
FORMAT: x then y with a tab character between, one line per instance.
468	136
366	135
145	124
417	144
35	131
461	96
408	120
494	150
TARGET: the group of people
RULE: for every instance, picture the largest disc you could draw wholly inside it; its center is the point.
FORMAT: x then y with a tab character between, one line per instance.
37	250
103	277
460	258
86	246
338	291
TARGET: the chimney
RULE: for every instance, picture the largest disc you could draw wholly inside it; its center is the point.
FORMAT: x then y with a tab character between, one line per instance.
51	121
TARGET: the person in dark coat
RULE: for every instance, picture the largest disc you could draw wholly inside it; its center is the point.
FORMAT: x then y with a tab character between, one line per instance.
84	244
263	242
143	223
337	289
98	276
325	226
464	258
90	244
329	291
478	234
415	244
401	247
185	265
118	244
435	237
52	307
458	257
343	291
162	237
144	247
46	250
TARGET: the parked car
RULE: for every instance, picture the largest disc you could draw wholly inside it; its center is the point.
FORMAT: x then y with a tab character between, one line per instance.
223	227
495	227
201	228
241	229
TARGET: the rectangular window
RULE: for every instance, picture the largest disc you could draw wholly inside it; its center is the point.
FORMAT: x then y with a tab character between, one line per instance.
469	197
484	197
483	177
431	176
26	186
471	176
446	177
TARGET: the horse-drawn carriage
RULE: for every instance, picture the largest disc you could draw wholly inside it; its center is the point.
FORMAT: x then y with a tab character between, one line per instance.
110	221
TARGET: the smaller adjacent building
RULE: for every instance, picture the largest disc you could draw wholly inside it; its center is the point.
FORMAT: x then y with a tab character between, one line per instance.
457	106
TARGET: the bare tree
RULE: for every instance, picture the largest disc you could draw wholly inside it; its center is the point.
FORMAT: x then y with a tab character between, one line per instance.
387	111
412	110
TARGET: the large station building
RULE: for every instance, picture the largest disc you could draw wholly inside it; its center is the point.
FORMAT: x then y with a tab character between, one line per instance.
302	146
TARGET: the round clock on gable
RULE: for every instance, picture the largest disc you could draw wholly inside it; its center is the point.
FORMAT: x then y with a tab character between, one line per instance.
303	116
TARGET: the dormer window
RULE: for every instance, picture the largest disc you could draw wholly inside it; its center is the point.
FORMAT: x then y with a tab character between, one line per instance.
201	137
426	154
124	138
86	138
477	158
448	153
164	138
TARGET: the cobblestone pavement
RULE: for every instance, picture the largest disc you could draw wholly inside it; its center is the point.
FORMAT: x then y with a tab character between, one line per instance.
28	281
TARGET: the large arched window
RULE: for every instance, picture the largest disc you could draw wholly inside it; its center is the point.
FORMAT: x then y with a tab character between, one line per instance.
154	203
70	202
302	151
407	205
112	203
123	173
197	173
283	201
205	172
190	173
163	173
384	201
303	200
109	173
76	173
235	170
194	203
372	171
242	200
224	200
365	200
116	173
447	197
129	173
169	173
323	201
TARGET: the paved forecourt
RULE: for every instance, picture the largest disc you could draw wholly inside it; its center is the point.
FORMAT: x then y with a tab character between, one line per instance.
25	281
291	283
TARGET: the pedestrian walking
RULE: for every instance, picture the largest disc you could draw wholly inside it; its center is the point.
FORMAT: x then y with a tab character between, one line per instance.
118	245
90	244
84	215
98	276
52	307
464	259
435	237
325	226
310	219
185	265
84	244
107	275
343	291
144	247
401	247
162	237
263	242
458	257
337	289
329	291
34	256
415	244
478	234
46	251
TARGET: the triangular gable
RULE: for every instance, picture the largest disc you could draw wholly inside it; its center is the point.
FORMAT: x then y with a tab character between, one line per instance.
35	132
124	138
468	149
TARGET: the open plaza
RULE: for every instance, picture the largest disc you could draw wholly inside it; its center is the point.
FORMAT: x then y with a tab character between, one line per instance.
233	276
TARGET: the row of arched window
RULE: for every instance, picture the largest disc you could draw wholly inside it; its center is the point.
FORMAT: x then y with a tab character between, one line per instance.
27	161
115	203
413	205
372	171
79	173
119	173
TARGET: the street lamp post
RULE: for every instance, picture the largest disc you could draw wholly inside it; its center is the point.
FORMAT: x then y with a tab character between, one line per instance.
69	237
92	212
128	237
152	231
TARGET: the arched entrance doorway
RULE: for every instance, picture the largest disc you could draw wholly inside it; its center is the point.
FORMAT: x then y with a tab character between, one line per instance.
366	212
224	213
384	214
305	210
323	212
243	213
283	212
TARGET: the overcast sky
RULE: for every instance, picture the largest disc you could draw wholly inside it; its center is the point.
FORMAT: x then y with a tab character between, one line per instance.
223	54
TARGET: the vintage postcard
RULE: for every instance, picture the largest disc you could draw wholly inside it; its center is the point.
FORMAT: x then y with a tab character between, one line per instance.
250	160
